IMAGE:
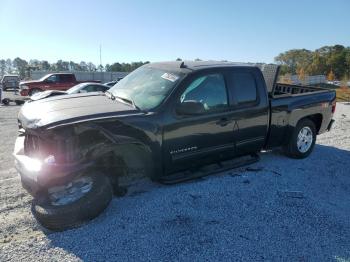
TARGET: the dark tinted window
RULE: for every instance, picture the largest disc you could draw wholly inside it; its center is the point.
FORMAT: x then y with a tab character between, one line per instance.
101	88
244	87
66	78
95	88
52	79
210	90
89	88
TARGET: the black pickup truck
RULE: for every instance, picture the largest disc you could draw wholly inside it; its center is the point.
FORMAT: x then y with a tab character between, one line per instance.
170	121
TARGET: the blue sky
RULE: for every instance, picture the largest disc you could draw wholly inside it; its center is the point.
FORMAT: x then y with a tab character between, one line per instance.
249	30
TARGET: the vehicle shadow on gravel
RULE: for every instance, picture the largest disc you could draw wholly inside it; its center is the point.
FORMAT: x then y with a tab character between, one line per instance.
224	217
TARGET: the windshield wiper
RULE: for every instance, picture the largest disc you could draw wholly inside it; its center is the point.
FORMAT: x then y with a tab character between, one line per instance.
110	95
129	101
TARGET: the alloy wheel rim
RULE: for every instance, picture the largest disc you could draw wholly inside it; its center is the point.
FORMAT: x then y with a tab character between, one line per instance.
305	139
71	192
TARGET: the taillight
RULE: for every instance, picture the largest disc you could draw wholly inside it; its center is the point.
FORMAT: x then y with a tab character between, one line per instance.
334	105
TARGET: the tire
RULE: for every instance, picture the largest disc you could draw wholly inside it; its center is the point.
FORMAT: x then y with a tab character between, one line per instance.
291	149
34	91
6	101
19	102
59	218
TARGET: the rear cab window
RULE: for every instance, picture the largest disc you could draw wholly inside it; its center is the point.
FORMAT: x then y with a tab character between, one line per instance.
243	87
66	78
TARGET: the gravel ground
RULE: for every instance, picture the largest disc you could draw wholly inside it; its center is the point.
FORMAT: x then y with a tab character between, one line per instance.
278	209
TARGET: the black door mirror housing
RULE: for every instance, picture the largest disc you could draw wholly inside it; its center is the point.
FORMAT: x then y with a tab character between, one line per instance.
190	107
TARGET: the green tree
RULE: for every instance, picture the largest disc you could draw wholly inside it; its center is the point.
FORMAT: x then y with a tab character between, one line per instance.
9	66
83	65
336	60
347	62
294	60
320	61
91	67
20	65
44	65
2	67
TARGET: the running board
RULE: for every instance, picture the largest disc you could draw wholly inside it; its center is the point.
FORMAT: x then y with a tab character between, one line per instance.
210	169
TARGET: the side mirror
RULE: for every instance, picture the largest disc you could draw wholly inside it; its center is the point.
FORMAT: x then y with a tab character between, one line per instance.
82	91
190	107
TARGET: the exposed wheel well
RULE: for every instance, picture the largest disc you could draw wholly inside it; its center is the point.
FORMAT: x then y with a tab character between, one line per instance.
317	119
132	164
112	166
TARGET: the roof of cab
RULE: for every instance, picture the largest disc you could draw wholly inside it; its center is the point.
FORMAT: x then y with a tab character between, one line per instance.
183	66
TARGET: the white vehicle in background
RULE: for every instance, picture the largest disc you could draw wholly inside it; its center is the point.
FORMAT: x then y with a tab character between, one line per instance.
79	88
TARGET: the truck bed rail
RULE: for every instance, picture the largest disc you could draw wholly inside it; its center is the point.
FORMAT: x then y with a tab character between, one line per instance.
288	89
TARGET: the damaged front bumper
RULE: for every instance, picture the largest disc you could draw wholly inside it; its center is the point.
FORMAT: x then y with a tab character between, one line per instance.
39	175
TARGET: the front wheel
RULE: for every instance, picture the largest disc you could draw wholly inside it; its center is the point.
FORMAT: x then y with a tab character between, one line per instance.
302	141
72	204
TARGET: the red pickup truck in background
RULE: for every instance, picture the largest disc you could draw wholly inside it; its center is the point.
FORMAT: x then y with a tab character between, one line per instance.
56	81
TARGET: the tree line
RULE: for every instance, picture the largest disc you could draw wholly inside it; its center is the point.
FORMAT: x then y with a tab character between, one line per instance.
23	67
332	61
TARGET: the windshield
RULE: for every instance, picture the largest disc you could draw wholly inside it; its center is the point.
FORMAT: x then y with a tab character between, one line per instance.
44	77
75	88
147	87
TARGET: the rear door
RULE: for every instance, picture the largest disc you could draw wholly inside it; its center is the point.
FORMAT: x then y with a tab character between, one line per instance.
65	82
189	141
250	108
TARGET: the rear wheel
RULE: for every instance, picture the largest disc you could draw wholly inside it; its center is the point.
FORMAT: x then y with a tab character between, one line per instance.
19	102
72	204
303	139
6	101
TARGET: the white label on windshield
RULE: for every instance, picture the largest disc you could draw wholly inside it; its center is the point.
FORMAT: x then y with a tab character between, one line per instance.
170	77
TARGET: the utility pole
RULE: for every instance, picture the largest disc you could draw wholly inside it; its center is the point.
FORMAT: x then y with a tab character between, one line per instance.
100	58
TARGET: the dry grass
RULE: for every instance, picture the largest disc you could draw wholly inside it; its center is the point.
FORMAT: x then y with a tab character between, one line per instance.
343	94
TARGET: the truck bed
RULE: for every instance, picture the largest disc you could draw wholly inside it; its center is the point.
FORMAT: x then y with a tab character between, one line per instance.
289	103
288	89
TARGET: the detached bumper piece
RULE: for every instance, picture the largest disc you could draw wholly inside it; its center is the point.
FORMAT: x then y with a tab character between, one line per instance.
210	169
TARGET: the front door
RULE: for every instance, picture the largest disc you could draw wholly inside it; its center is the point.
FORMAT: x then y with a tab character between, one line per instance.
192	140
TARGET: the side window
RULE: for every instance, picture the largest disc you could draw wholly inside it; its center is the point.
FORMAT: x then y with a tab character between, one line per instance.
89	88
101	88
244	86
52	79
66	78
210	90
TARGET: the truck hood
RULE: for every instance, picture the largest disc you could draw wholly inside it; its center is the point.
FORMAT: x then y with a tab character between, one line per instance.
29	82
68	109
46	94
